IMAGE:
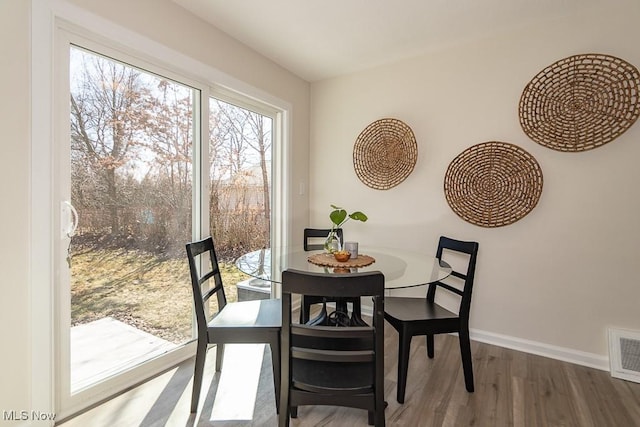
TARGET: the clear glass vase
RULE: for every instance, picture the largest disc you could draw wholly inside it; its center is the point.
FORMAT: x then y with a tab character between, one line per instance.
332	242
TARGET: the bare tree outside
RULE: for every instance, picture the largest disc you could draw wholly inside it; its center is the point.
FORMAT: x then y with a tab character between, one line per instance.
240	176
262	144
132	185
107	120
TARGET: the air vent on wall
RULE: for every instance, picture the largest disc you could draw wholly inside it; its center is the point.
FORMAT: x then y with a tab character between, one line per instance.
624	354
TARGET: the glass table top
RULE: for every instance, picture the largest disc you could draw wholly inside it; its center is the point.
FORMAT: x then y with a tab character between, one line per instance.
401	268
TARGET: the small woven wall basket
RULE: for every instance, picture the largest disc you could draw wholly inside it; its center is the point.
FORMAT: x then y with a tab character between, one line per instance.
580	102
493	184
385	153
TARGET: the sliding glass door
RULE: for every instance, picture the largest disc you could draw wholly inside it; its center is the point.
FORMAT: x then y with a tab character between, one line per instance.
146	160
125	175
131	169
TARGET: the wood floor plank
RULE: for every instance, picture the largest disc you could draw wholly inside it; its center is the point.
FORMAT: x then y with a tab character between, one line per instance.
518	406
629	395
511	389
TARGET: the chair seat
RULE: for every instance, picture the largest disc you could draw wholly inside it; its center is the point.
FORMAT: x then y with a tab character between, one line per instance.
265	313
415	309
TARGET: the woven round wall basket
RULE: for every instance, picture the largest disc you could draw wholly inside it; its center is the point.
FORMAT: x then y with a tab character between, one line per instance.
493	184
385	153
581	102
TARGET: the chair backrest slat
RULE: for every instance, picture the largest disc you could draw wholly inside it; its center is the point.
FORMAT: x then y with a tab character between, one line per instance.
196	253
330	331
342	356
470	249
316	233
207	276
344	289
450	288
459	275
209	292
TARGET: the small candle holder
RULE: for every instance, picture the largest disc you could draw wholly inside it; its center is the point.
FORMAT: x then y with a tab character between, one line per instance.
352	248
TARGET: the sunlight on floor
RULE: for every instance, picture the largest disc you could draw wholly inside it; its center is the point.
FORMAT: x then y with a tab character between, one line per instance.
238	385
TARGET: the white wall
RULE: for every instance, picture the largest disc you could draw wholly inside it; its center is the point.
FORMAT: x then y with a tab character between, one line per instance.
558	277
25	384
14	190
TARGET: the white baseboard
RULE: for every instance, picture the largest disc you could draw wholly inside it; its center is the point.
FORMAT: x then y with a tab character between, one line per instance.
564	354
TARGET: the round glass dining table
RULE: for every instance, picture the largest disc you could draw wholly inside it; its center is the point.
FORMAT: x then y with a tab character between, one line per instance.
401	268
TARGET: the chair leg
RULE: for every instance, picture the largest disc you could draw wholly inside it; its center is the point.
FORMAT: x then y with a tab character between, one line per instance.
380	404
357	307
430	347
198	371
283	412
321	319
284	386
379	420
275	364
219	356
404	348
467	364
356	314
371	418
304	310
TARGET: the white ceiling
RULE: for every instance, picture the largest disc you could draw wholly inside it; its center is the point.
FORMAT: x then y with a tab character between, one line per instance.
318	39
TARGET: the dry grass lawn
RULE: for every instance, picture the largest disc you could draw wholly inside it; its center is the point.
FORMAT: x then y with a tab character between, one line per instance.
140	289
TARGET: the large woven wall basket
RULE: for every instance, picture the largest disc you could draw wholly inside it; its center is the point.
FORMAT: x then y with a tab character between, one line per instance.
581	102
493	184
385	153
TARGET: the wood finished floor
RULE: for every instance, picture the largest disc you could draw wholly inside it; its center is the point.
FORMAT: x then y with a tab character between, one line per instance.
511	389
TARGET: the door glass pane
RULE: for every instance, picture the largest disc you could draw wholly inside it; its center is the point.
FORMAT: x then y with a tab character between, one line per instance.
240	146
131	184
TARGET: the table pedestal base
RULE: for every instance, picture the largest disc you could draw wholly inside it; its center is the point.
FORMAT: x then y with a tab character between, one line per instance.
339	317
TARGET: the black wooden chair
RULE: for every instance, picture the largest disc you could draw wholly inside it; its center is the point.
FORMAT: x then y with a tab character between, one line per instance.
244	322
328	365
308	300
419	316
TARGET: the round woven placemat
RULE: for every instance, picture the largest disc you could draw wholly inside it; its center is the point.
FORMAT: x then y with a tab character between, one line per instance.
493	184
580	102
385	153
328	260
